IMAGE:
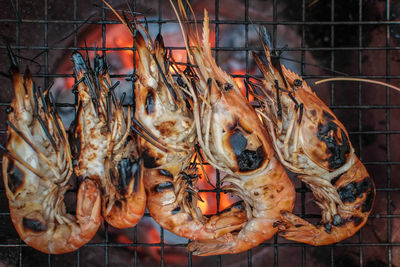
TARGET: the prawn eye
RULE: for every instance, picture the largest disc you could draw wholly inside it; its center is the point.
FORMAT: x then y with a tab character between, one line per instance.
227	87
298	82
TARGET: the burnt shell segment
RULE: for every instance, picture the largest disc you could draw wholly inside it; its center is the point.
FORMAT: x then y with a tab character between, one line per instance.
163	187
15	177
127	169
336	149
34	225
166	173
250	160
148	160
176	210
350	192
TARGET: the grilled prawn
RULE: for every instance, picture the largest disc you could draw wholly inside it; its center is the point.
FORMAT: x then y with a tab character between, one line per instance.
37	167
105	146
311	142
234	140
165	120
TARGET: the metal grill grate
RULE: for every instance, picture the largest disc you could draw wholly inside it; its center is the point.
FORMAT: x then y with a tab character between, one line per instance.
361	38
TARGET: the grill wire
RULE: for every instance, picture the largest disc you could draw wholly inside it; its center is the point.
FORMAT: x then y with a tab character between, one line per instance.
18	17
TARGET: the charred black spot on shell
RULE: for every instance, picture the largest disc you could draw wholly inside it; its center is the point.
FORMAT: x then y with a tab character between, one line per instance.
367	205
176	210
337	220
33	225
150	106
237	205
165	173
350	192
357	220
328	227
369	198
250	160
16	177
218	83
127	169
163	187
364	185
118	204
298	225
275	224
238	142
148	160
337	150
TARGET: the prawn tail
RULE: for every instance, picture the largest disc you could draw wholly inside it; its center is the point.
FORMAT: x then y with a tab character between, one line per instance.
297	229
211	247
88	211
356	191
127	210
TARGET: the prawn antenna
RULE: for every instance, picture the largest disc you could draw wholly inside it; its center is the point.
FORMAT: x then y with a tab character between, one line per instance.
358	80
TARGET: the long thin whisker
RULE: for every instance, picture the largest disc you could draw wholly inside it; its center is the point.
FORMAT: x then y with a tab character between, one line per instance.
46	131
45	107
108	110
23	162
171	90
357	80
78	82
122	99
148	139
53	113
22	135
134	120
92	90
111	89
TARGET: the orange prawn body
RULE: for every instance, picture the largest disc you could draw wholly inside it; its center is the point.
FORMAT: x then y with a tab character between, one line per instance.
106	149
234	141
165	120
37	167
312	143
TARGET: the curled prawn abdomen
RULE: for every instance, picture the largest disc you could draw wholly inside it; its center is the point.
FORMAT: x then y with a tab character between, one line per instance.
313	143
233	140
37	166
